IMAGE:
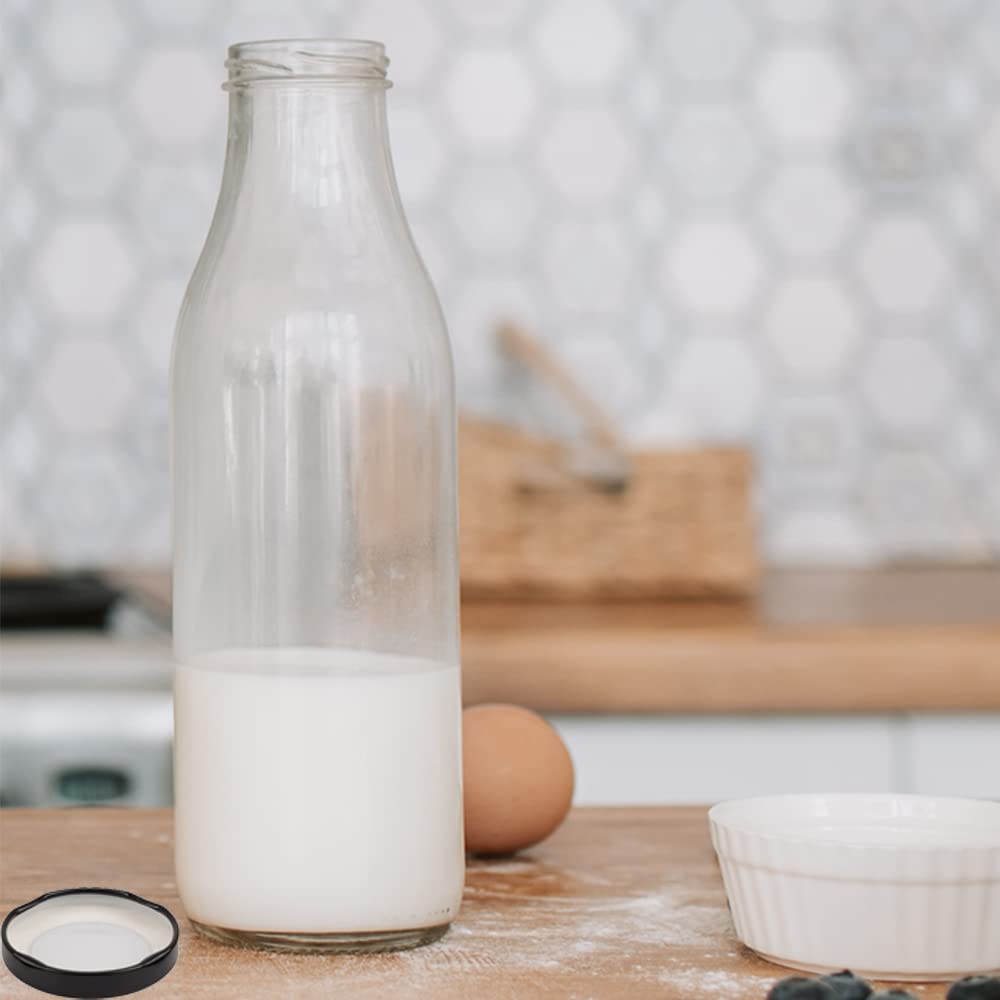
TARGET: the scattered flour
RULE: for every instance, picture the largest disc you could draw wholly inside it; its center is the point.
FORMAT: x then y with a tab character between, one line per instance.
702	983
523	919
643	938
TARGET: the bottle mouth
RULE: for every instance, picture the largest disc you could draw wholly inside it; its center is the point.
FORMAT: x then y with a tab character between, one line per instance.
328	60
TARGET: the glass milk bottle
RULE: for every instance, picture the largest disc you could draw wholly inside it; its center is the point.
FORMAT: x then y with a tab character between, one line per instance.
317	758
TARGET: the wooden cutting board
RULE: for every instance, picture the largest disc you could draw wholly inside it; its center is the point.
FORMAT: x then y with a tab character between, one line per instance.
620	903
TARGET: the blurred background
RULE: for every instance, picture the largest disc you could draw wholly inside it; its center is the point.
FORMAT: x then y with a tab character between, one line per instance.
770	224
765	222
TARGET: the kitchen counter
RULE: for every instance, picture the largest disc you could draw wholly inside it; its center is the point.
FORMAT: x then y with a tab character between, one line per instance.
888	641
901	640
619	903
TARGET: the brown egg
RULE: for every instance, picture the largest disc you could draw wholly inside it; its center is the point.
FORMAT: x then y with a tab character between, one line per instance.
518	778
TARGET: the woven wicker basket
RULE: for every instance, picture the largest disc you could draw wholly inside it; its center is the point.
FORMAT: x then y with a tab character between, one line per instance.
681	528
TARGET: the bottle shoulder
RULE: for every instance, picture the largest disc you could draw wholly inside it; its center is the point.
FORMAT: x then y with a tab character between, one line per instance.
259	296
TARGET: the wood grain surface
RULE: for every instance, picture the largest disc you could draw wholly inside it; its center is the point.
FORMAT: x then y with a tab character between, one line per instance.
896	640
620	903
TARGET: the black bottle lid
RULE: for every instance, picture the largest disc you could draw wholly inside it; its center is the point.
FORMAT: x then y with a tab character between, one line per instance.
89	943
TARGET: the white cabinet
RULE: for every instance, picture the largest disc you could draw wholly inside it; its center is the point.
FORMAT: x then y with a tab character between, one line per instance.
954	754
697	759
632	759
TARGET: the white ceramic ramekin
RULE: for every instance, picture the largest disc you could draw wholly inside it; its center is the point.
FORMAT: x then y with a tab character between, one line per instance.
892	886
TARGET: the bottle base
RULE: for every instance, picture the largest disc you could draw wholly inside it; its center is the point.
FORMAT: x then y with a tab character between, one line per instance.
355	943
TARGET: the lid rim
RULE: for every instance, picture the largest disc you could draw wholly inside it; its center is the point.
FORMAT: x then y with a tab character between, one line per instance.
92	983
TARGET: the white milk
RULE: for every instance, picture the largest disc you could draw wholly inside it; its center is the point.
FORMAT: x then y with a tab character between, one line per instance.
318	790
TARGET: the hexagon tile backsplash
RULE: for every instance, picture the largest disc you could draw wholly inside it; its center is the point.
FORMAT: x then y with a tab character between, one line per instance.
770	221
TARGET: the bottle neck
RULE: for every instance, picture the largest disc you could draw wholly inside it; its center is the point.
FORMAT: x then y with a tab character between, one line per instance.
303	145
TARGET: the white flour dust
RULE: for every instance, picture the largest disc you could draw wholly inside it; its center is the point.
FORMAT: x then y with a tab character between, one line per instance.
688	982
573	932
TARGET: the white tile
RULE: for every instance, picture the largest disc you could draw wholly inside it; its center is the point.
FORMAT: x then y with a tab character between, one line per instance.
494	209
586	155
666	422
984	38
85	268
970	321
178	13
488	16
603	364
706	41
83	153
629	179
21	8
966	203
84	41
155	318
491	97
917	508
474	312
891	43
988	152
965	101
20	209
801	12
902	264
908	383
989	378
590	267
644	97
713	268
955	754
176	97
991	513
23	337
631	760
171	208
253	19
653	332
972	446
86	385
418	153
809	209
437	247
812	327
649	213
585	43
23	449
22	96
150	544
984	265
900	146
716	383
946	17
710	151
411	33
86	501
145	433
819	535
812	445
804	93
20	544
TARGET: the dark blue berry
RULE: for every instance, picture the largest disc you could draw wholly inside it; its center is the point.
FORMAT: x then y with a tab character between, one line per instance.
975	988
800	988
848	986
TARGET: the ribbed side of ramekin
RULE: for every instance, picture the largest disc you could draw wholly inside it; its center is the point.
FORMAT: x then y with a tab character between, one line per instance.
926	913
